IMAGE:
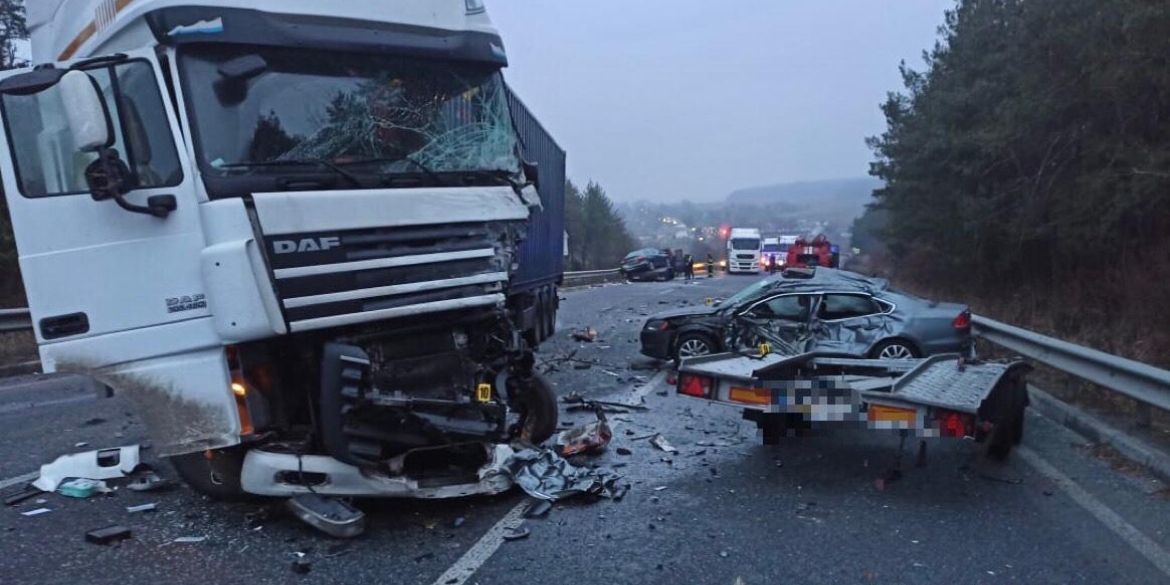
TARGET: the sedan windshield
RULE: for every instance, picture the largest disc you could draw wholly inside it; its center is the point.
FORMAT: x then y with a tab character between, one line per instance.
384	114
750	292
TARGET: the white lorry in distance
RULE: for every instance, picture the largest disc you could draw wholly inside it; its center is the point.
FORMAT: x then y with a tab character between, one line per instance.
292	233
743	250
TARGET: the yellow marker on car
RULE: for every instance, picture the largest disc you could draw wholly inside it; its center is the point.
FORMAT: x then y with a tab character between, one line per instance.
483	392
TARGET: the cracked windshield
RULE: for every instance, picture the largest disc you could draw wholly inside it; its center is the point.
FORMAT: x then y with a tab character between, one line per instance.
478	292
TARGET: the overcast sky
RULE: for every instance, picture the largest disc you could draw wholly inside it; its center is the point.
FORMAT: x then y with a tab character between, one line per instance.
691	99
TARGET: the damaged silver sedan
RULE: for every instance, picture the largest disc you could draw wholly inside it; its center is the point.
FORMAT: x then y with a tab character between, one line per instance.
831	312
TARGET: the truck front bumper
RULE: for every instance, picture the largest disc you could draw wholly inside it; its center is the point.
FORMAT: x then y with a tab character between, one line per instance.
266	473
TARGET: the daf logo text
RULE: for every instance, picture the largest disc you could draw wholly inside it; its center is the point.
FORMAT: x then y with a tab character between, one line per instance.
305	245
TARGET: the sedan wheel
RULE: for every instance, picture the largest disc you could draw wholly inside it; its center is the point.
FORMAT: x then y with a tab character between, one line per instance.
693	347
895	351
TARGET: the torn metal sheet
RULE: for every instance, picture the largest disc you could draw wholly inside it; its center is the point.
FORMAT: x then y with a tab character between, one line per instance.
103	464
547	476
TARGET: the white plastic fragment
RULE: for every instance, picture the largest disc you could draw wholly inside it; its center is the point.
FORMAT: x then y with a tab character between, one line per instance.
36	512
101	464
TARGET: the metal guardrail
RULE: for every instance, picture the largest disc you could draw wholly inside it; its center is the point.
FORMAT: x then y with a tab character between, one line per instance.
1142	382
585	277
14	320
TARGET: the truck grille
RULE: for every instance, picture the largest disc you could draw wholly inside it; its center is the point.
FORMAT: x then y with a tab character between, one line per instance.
745	256
340	278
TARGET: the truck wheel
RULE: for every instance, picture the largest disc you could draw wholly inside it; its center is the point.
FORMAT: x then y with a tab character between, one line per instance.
542	332
540	413
215	473
551	313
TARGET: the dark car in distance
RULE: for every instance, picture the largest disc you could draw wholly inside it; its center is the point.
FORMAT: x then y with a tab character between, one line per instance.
648	264
824	310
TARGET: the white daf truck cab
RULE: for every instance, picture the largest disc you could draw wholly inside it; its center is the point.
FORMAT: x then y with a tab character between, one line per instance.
287	231
743	250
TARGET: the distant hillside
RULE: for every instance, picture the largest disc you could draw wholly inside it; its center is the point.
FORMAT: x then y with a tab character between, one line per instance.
837	199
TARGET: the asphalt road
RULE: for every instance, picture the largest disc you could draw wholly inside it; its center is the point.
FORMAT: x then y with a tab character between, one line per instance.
724	508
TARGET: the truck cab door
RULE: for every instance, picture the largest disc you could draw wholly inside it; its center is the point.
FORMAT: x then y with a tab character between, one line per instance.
114	286
93	268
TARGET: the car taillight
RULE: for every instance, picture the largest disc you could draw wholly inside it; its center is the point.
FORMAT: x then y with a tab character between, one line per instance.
963	321
954	424
640	259
697	386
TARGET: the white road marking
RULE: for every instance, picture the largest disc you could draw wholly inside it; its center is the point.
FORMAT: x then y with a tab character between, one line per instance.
1131	535
650	386
19	479
483	548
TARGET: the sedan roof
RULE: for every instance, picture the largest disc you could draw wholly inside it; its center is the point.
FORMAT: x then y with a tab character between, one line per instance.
830	280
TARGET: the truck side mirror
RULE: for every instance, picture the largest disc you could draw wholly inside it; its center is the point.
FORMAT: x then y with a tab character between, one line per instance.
85	108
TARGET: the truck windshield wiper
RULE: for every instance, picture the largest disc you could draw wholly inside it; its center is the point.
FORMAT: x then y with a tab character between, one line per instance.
348	176
387	160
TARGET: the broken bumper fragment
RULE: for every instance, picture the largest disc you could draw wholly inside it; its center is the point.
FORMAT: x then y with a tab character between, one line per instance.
267	473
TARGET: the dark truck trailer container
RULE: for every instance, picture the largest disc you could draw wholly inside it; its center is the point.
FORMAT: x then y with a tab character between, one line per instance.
541	257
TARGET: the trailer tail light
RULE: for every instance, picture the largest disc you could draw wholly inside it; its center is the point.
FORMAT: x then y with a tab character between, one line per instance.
963	321
954	424
697	386
751	395
881	413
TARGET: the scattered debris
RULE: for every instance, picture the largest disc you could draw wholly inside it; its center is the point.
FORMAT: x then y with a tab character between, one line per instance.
25	493
103	464
582	365
301	565
94	421
663	392
149	482
80	444
36	512
659	441
587	438
588	335
458	522
545	475
516	533
538	509
659	488
1008	480
82	488
190	539
142	508
329	515
624	451
107	535
424	557
337	550
620	491
723	554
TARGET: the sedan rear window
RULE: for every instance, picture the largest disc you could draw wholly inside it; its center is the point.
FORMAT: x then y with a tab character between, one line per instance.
843	306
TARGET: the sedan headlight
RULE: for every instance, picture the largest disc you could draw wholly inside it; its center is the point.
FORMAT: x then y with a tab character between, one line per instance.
657	325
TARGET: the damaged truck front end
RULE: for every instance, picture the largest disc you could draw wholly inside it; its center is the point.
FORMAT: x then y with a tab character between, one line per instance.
329	261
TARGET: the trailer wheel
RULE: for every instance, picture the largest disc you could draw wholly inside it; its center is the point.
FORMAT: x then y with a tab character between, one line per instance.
539	413
1009	424
215	473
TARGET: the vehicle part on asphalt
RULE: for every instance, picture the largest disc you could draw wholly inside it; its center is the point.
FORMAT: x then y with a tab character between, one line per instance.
82	488
545	475
661	442
36	512
107	535
538	509
329	515
591	437
516	533
149	482
589	335
190	539
142	508
102	464
28	491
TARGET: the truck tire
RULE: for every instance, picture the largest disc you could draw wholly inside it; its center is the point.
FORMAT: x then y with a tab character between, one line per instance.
539	404
215	473
551	312
541	325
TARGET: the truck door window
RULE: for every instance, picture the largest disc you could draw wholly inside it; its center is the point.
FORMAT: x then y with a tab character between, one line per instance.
846	306
48	163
